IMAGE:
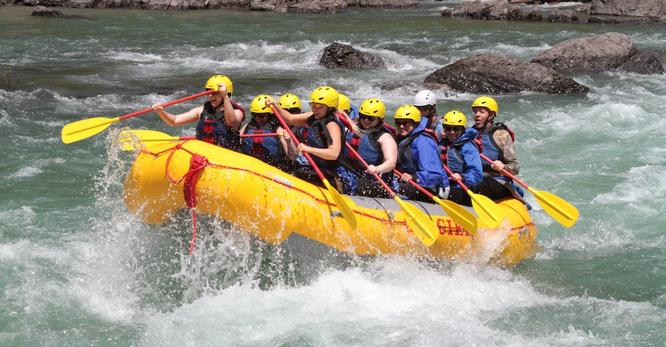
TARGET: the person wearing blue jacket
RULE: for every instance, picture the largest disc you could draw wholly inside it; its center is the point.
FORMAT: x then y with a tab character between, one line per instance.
462	155
418	156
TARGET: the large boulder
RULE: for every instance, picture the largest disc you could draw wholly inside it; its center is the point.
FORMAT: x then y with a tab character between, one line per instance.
496	74
341	56
590	54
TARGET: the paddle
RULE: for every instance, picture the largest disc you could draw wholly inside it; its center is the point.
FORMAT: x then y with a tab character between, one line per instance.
344	207
459	214
86	128
486	209
561	210
424	228
129	138
260	135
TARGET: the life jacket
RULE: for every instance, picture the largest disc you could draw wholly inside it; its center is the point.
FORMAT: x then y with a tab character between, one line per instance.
432	133
213	128
315	134
267	148
490	148
405	155
367	145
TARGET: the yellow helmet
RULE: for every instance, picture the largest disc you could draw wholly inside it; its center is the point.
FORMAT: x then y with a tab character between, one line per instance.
214	82
408	112
344	104
372	107
487	102
325	95
455	118
288	101
258	105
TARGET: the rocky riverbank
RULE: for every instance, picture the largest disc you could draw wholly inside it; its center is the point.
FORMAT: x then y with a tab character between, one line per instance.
595	11
255	5
582	11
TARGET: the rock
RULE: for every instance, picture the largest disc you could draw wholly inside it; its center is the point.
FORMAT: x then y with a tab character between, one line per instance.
497	10
263	5
42	11
510	10
590	54
645	63
631	8
496	74
341	56
382	3
317	6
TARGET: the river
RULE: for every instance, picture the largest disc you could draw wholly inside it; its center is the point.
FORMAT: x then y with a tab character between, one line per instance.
76	268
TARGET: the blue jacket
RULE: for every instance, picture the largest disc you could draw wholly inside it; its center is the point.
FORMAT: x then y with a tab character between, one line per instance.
463	158
421	159
353	114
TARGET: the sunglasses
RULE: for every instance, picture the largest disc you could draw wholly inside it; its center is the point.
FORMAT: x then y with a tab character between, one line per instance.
403	123
364	117
260	115
448	128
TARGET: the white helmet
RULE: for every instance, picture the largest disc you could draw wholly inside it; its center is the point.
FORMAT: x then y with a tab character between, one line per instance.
425	98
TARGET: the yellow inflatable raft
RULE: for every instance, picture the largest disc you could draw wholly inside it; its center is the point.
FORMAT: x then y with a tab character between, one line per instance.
272	205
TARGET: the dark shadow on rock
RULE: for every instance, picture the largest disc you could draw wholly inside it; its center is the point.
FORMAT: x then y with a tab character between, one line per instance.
648	62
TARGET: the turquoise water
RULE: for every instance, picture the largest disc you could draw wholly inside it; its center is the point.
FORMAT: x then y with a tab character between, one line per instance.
77	269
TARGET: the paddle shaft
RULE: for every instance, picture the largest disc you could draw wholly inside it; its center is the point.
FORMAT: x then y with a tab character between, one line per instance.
462	185
374	174
260	135
293	138
167	104
415	185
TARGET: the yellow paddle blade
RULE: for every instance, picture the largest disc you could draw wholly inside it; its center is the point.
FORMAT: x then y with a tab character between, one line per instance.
488	211
558	208
85	128
131	140
424	228
459	214
343	206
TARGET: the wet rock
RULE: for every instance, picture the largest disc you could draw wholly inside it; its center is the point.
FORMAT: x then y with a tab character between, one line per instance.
590	54
341	56
42	11
496	74
648	62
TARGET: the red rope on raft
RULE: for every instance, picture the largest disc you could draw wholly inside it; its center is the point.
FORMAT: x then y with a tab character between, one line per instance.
189	179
